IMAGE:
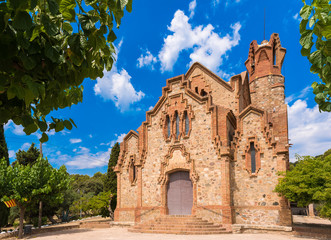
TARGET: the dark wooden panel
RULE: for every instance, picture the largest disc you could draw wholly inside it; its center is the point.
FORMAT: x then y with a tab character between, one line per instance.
180	194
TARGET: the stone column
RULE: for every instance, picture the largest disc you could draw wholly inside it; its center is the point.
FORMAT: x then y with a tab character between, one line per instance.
227	216
285	214
139	195
118	205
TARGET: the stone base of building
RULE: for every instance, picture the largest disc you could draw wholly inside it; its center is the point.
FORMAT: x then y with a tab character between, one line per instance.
253	228
230	219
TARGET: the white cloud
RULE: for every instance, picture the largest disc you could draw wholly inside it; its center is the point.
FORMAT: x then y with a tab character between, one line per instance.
18	130
75	140
206	46
91	136
150	108
302	94
116	85
309	130
215	3
297	17
85	159
11	153
191	7
146	59
119	139
25	146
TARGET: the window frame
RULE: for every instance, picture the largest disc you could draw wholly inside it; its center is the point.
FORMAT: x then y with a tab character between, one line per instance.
248	156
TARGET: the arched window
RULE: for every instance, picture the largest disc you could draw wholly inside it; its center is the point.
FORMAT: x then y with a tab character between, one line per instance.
132	171
177	124
168	126
253	160
187	123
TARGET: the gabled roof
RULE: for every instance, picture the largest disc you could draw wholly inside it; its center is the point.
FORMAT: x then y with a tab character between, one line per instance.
210	73
250	108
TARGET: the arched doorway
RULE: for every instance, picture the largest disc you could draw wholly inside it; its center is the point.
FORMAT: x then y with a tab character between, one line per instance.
180	193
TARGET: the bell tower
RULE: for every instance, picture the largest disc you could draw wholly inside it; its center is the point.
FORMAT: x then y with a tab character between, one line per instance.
267	90
264	66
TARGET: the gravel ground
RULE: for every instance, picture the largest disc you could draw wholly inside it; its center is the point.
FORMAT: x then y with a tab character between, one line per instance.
123	234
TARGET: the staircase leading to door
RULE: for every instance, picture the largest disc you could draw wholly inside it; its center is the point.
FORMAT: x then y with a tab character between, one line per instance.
179	224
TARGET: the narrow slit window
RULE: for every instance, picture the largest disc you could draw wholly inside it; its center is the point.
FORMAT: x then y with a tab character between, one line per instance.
274	54
132	174
177	125
168	126
197	90
187	124
253	160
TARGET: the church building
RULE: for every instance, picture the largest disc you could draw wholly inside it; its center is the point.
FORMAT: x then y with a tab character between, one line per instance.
210	148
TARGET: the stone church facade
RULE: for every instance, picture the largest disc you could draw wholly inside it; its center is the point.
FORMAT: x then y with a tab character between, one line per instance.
211	148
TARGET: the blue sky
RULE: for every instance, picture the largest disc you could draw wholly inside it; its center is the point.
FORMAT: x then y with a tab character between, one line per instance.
159	40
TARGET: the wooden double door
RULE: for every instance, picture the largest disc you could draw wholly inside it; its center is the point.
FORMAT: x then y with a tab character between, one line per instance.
180	193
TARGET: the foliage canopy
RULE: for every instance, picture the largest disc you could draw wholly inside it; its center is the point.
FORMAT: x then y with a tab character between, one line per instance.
309	182
48	47
30	183
316	46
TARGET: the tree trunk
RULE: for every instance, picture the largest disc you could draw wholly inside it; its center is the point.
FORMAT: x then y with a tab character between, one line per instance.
40	213
51	219
20	231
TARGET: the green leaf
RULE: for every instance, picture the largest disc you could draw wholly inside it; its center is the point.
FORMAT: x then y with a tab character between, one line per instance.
67	27
316	58
52	54
306	39
312	21
111	36
53	6
123	3
305	52
326	31
68	124
29	96
44	138
30	128
59	126
303	25
72	121
50	26
28	62
67	8
42	125
36	32
22	21
33	4
16	4
305	12
129	6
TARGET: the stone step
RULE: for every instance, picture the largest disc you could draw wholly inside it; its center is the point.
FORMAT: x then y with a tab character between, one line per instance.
181	228
182	222
186	232
209	225
179	225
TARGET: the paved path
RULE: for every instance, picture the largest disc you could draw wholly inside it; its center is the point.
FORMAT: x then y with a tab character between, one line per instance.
123	234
